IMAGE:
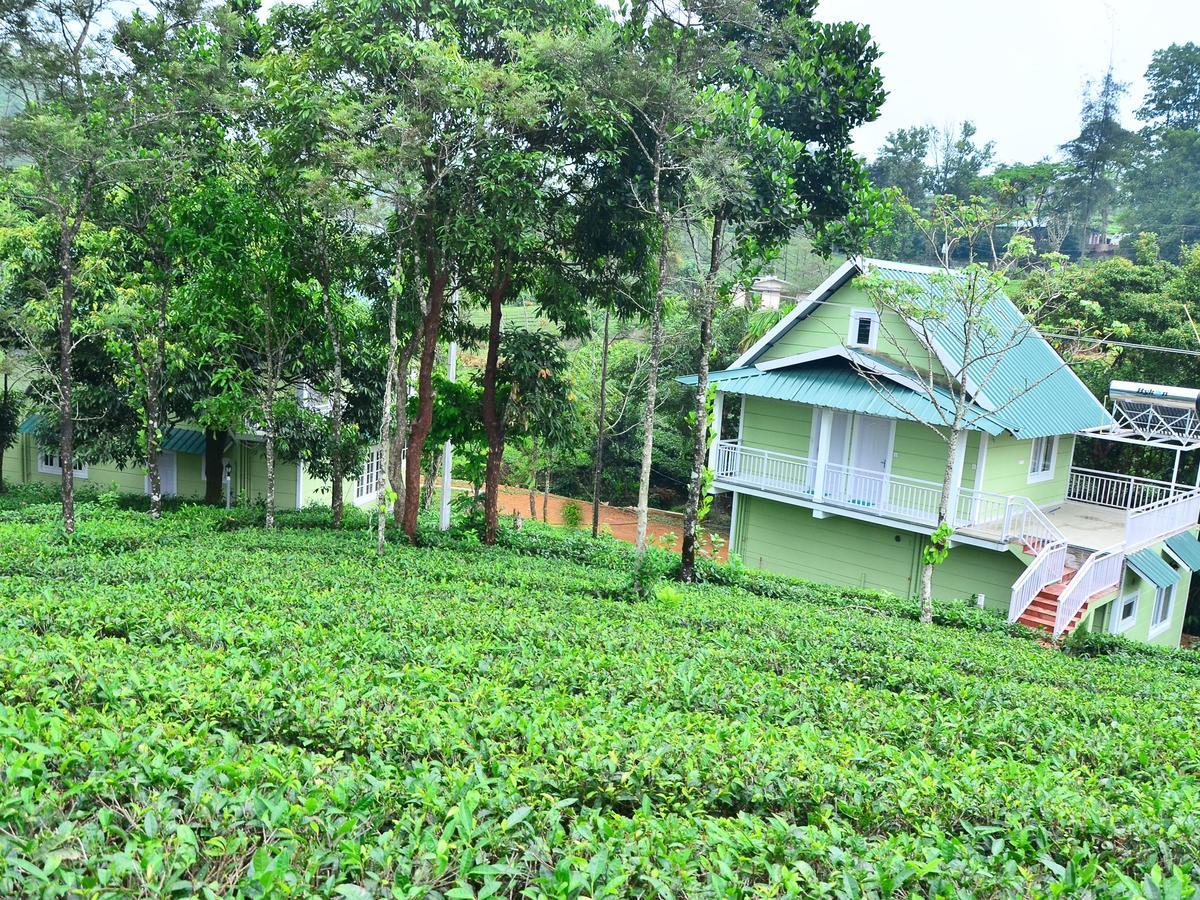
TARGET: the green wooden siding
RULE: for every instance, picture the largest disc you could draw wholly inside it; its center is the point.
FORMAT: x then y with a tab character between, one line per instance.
828	326
1007	470
1104	616
779	537
249	475
918	452
776	425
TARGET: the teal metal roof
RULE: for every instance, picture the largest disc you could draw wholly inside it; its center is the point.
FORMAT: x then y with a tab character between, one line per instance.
184	440
31	424
1027	388
835	384
1033	392
1187	548
1153	568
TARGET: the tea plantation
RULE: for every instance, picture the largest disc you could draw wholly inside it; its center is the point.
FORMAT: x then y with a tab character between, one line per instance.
200	706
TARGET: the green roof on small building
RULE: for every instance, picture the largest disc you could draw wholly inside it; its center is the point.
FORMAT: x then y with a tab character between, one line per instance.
1187	548
1153	568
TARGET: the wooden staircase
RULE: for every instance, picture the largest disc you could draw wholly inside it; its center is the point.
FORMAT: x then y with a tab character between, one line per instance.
1044	608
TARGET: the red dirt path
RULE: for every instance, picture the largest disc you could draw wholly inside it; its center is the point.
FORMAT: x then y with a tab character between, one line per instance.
665	528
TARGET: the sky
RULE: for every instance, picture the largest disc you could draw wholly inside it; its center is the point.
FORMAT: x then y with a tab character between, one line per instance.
1016	68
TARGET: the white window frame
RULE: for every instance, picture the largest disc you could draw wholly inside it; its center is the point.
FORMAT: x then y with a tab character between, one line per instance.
1160	594
1120	624
856	316
54	465
367	489
1034	457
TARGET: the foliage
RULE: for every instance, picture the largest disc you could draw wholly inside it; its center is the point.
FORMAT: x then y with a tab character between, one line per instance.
497	723
935	552
572	515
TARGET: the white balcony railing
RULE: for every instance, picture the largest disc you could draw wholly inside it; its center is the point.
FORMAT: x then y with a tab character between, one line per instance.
993	517
1153	509
1116	491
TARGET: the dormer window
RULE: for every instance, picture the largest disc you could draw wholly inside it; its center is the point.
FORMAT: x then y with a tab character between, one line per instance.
864	328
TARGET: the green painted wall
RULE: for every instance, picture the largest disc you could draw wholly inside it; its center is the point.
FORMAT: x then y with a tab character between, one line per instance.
779	537
828	325
1006	470
1145	590
249	475
776	425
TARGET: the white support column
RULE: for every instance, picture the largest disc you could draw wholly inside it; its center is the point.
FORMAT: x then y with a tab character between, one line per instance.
1175	470
826	436
960	455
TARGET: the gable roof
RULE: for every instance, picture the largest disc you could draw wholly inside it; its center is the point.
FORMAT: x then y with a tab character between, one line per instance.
835	381
1027	390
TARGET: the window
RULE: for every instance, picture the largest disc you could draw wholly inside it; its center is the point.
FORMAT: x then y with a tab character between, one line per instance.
1041	458
1160	618
50	464
1126	611
370	482
864	328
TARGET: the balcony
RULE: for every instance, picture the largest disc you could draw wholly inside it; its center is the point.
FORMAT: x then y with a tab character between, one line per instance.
1104	509
1101	509
910	503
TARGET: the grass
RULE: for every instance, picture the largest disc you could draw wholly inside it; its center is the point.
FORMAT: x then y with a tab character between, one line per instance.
198	706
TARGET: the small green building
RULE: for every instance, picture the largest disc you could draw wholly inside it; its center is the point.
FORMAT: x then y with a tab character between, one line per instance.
841	450
182	469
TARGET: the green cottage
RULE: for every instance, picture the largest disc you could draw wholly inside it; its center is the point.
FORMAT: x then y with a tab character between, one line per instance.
837	465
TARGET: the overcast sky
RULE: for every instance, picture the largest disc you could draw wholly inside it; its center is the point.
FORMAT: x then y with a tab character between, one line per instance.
1016	68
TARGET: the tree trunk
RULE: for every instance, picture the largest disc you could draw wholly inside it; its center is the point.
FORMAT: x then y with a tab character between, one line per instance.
643	504
493	423
153	472
66	412
214	469
337	467
601	428
154	392
533	471
385	429
949	494
430	326
546	495
691	518
270	449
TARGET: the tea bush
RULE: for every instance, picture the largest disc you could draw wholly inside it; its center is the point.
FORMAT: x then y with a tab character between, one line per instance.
188	707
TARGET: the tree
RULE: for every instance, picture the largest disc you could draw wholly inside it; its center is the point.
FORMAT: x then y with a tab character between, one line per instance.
963	300
10	421
178	82
1097	154
58	67
304	115
1173	88
249	319
776	159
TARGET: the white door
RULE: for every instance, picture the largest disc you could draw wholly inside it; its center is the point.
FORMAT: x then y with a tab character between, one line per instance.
870	460
839	435
166	474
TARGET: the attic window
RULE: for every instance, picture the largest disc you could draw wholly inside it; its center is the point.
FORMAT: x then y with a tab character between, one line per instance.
864	328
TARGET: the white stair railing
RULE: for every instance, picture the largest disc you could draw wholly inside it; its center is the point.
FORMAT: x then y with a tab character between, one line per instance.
1047	568
1100	572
